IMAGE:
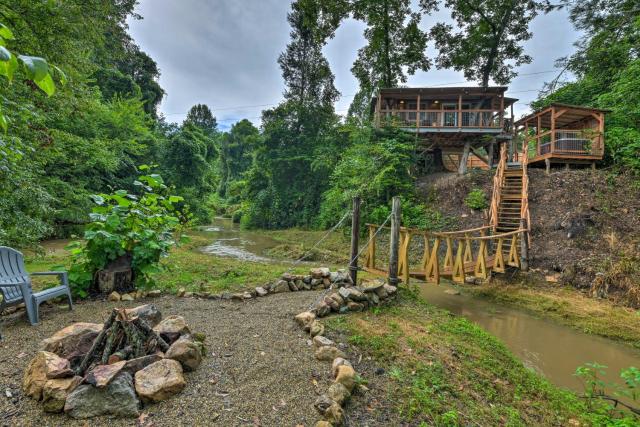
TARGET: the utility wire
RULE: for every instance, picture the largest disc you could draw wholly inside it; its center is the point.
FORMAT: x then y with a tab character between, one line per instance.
239	107
366	245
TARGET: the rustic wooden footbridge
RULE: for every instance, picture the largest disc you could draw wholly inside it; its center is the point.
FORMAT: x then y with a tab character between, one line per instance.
455	255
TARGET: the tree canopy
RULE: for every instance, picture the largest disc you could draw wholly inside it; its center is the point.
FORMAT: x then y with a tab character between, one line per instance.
488	43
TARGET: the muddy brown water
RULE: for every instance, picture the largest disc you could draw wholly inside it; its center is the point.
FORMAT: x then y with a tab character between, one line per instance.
229	240
551	349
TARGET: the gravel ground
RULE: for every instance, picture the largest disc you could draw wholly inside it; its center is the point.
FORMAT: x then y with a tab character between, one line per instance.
260	370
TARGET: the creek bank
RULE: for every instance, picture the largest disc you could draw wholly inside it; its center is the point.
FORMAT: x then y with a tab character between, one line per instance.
444	370
584	233
562	304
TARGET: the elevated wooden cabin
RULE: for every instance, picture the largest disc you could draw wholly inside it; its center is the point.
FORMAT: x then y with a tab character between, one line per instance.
453	124
562	133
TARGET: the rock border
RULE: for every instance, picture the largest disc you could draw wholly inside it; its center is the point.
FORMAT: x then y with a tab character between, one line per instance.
341	296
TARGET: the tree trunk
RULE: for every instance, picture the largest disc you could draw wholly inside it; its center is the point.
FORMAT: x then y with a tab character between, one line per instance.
462	167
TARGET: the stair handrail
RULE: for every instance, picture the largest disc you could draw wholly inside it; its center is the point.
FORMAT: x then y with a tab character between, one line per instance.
498	182
524	206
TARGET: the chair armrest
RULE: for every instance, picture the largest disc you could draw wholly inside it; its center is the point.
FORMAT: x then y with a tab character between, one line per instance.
49	273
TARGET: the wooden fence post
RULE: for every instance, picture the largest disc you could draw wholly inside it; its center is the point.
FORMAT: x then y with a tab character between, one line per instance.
394	247
355	234
524	246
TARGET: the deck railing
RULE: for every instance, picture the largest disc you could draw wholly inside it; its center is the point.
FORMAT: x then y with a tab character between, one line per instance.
498	183
575	142
443	118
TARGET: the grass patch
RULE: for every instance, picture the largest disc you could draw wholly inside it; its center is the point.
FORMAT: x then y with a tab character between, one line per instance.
569	307
296	243
187	267
446	371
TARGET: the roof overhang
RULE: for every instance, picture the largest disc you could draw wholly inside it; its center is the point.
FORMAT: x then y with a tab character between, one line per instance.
444	92
565	114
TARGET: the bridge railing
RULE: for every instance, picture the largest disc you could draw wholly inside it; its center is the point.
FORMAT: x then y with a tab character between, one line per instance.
452	255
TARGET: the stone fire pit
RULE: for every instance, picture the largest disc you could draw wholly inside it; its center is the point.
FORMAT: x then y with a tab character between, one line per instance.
88	369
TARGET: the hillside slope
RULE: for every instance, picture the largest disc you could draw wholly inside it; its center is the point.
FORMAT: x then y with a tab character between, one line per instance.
585	225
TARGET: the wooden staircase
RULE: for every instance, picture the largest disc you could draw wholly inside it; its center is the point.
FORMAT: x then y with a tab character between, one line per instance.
510	204
510	199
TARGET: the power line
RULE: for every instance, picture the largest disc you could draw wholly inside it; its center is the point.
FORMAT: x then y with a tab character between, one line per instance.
239	107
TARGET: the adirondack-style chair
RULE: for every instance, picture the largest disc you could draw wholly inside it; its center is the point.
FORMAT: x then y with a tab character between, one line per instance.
15	284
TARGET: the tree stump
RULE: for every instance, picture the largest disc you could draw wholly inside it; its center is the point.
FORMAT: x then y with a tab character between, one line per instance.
117	276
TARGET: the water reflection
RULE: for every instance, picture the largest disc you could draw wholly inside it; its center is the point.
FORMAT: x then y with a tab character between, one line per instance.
230	241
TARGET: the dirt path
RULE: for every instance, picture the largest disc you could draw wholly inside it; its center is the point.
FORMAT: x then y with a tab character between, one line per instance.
259	370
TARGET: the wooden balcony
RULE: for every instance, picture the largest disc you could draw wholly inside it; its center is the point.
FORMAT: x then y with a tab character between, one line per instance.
445	121
563	133
449	112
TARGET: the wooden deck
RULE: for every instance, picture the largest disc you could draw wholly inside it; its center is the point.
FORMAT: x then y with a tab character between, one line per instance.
562	133
445	111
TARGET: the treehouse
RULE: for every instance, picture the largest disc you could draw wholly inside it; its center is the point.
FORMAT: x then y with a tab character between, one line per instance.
457	127
562	133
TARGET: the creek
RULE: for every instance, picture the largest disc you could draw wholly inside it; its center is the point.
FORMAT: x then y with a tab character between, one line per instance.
551	349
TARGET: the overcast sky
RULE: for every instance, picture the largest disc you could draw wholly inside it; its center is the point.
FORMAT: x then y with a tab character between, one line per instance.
223	53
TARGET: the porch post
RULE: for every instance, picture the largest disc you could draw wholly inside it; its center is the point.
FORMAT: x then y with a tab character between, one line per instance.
418	114
459	119
538	134
553	129
502	111
512	148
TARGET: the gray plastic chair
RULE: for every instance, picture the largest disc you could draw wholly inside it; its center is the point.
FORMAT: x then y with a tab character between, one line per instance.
15	284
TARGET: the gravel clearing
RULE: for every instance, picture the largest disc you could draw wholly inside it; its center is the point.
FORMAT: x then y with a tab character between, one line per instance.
259	369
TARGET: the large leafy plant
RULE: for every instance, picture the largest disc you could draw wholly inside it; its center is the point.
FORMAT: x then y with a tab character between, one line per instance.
137	228
36	69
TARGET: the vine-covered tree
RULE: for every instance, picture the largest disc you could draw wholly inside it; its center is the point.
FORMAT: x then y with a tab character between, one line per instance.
200	115
236	152
396	46
607	66
282	189
488	43
306	72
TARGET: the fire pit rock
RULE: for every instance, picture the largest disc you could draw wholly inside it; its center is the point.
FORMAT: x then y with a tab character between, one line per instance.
88	370
186	351
73	340
116	399
172	328
160	380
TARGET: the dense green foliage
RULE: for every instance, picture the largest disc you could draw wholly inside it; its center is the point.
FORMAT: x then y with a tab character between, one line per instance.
88	137
301	167
133	230
476	199
607	66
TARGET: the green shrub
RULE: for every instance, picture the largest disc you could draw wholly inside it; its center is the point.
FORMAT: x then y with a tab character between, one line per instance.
138	228
476	199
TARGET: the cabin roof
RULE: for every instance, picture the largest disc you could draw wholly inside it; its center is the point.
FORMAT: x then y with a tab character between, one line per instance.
572	114
470	90
444	91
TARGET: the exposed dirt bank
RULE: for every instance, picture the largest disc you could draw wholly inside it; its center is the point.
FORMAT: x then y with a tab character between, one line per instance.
585	226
